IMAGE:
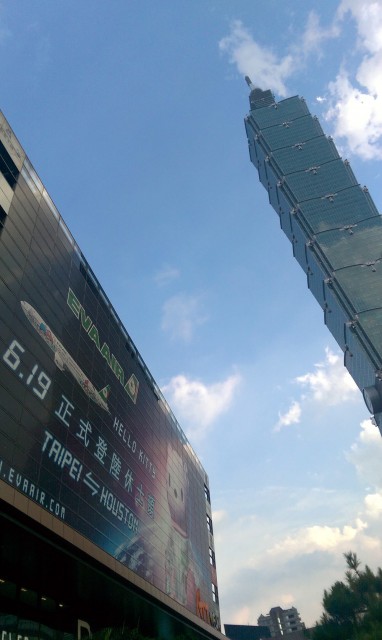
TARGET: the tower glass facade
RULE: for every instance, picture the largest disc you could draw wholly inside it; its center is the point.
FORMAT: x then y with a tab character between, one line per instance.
333	226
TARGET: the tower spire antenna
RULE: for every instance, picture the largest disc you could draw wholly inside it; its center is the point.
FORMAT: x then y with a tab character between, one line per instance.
250	83
257	97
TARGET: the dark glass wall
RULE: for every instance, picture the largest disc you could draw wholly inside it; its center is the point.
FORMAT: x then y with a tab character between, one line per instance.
84	430
48	592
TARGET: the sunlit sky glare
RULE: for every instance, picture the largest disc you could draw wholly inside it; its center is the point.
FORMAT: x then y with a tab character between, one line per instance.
132	115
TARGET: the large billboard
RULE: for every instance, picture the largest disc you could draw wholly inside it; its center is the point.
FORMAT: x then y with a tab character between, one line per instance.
84	430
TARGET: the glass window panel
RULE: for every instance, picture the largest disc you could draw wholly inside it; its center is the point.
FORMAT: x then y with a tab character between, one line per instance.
285	217
371	325
358	363
362	286
345	208
27	167
304	128
351	246
318	182
298	157
316	276
299	240
8	167
285	111
335	316
50	204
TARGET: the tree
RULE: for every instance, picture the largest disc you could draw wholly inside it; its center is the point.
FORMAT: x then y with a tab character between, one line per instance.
353	608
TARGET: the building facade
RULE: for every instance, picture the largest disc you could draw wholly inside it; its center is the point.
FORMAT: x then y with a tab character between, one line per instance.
333	226
246	632
105	508
282	622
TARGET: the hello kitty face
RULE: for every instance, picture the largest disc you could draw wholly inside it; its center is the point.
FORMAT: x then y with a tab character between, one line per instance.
177	487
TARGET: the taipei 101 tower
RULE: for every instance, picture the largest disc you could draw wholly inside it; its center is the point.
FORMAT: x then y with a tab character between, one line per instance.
333	226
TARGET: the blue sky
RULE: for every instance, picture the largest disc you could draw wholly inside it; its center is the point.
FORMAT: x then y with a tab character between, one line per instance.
132	114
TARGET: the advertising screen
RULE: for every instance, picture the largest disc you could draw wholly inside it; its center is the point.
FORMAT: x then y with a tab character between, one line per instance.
84	431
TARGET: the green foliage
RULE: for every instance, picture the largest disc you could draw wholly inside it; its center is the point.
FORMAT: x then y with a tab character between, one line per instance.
341	603
352	561
353	608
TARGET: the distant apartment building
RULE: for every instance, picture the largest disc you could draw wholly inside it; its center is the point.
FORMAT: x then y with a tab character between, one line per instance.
282	622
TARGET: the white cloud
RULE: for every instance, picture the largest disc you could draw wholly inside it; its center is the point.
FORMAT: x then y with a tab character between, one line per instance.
244	615
323	538
330	382
314	36
373	505
368	15
181	315
267	69
166	275
290	545
356	103
218	516
292	416
287	600
366	454
198	405
354	100
357	115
